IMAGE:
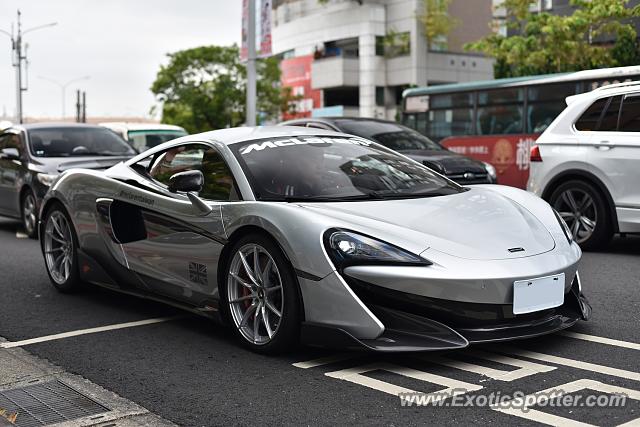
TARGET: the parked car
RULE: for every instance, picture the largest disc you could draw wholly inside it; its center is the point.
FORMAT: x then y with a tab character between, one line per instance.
288	233
143	136
587	164
461	169
32	156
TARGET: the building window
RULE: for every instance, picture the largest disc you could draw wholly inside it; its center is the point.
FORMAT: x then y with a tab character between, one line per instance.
379	45
380	96
397	44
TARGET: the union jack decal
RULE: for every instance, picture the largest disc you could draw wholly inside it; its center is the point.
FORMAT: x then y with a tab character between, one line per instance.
198	273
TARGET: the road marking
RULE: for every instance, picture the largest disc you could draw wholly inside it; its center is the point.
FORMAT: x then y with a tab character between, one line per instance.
21	235
601	340
519	406
12	344
323	361
592	367
354	375
525	368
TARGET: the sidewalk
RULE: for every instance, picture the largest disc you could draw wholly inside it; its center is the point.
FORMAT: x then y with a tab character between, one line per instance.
34	392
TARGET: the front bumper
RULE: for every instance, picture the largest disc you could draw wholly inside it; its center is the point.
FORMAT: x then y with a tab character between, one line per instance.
415	323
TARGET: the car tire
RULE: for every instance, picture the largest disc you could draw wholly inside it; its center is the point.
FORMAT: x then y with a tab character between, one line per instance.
262	310
586	212
60	249
29	214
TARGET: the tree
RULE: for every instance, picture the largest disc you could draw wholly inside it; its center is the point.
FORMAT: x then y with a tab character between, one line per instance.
546	43
437	22
204	88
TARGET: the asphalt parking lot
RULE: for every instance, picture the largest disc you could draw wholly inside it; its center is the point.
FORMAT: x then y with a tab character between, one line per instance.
191	372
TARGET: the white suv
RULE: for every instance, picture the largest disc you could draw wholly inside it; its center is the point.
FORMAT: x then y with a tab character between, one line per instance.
587	164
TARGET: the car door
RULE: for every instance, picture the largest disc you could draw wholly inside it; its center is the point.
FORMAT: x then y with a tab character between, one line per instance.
615	157
10	172
175	246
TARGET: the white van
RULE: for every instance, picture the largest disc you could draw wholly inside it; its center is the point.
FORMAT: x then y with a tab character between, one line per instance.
143	136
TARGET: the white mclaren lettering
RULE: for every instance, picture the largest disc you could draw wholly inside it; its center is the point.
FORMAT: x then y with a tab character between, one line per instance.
302	141
258	147
284	143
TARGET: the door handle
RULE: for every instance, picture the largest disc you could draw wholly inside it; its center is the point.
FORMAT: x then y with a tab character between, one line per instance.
604	145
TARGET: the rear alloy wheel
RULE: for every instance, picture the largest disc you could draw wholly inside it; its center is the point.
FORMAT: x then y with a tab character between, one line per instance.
261	295
60	250
586	213
29	214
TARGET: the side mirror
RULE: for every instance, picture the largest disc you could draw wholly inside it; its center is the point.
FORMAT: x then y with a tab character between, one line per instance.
186	181
10	154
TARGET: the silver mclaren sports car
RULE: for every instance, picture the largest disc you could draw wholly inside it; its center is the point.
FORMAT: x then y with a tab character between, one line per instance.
288	234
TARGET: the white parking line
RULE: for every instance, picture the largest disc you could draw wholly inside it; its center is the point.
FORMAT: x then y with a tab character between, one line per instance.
323	361
12	344
525	368
601	340
520	406
355	375
21	235
592	367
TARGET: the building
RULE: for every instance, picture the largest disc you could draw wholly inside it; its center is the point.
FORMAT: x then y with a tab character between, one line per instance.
355	57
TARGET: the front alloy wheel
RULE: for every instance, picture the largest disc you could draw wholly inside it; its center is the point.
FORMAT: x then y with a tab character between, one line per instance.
261	295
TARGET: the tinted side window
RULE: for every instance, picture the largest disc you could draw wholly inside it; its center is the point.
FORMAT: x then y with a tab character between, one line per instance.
590	118
630	116
3	141
218	180
609	121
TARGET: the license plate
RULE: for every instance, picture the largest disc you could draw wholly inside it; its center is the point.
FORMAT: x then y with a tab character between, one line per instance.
538	294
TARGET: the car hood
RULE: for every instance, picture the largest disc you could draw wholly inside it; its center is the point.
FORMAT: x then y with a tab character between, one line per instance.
445	161
61	164
476	224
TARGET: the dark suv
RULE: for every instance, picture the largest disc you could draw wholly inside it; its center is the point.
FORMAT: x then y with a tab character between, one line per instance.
459	168
32	156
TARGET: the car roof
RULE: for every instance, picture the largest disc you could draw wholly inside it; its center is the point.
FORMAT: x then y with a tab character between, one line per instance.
333	119
48	125
240	134
141	126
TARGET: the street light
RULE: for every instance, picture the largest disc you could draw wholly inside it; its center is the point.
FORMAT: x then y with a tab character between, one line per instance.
16	47
63	88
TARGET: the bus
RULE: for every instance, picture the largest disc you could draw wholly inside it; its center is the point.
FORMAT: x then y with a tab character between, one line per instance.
497	121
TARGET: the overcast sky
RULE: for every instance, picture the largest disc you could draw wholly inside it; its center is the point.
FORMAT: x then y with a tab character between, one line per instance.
120	44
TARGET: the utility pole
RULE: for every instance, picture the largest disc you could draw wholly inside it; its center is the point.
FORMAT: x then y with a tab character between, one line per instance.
19	58
63	88
251	65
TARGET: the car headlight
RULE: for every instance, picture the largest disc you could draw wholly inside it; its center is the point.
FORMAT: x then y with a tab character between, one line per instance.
46	178
348	248
491	171
567	231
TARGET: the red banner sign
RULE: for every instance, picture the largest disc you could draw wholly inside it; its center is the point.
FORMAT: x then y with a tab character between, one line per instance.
296	74
509	154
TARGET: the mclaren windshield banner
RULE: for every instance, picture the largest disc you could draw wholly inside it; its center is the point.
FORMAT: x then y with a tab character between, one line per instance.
288	142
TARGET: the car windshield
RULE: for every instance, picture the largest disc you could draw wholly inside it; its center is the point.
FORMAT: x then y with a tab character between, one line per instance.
321	168
77	141
391	135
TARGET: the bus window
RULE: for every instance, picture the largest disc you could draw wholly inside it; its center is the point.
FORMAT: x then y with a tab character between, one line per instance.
500	119
447	122
545	102
500	111
541	114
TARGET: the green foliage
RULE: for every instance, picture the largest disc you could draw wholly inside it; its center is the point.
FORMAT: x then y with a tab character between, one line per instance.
547	43
626	51
437	22
204	88
396	44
